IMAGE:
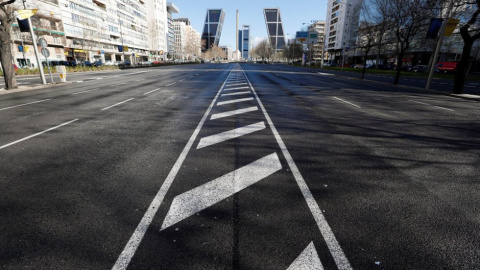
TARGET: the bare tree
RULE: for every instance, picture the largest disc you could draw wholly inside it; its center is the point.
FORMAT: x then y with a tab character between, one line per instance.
409	21
469	33
368	32
293	51
218	53
264	50
7	18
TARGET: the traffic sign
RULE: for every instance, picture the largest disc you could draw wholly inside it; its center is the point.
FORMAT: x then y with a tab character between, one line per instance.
42	42
45	52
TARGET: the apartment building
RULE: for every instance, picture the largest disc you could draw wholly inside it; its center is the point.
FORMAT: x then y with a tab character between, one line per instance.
318	48
157	29
180	40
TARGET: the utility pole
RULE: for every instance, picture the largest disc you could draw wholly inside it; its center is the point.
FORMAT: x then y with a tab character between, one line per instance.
121	36
35	49
439	46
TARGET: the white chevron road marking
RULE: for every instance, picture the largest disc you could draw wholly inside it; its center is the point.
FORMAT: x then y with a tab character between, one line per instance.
231	134
308	260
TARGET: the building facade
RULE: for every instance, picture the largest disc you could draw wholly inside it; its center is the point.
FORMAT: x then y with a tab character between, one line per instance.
157	29
212	30
171	8
341	26
318	48
273	21
244	42
180	39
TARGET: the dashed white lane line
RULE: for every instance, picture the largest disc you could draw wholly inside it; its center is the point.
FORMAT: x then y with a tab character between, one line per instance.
295	82
25	104
308	259
36	134
236	93
171	84
137	236
236	88
231	134
206	195
117	104
346	102
151	91
438	107
234	101
86	91
335	249
234	112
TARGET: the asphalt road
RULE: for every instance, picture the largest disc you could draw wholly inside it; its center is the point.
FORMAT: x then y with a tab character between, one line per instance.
227	166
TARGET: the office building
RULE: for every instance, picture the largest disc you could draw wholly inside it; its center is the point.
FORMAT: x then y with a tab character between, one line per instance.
212	29
157	29
341	26
274	25
171	8
244	42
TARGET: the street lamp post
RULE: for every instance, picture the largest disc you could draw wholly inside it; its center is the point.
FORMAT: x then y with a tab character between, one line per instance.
35	49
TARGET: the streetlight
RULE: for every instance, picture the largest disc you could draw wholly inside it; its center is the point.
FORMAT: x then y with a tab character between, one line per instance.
35	49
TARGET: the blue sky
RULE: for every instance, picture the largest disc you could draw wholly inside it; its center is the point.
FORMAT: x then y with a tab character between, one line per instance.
293	12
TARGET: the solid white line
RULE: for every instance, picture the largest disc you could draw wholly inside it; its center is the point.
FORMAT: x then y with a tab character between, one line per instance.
182	80
36	134
236	93
79	81
11	107
438	107
236	88
326	74
85	91
346	102
137	236
117	104
332	243
171	84
235	112
234	101
151	91
206	195
231	134
308	259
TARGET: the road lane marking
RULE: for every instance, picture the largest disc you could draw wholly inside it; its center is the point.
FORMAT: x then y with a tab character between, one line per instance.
325	74
131	73
117	104
137	236
231	134
84	91
36	134
308	259
295	82
119	84
206	195
25	104
151	91
236	88
443	108
234	101
234	112
335	249
347	102
171	84
235	84
236	93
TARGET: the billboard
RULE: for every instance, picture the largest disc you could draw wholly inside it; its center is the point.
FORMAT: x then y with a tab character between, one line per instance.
301	37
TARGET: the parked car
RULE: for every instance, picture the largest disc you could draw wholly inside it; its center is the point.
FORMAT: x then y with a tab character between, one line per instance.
72	63
108	63
419	68
98	63
446	67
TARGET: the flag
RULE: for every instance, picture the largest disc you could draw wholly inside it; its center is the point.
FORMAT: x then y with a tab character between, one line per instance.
23	25
23	14
450	27
434	28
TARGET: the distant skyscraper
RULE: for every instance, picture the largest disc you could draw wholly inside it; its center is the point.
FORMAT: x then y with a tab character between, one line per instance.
244	42
274	27
213	28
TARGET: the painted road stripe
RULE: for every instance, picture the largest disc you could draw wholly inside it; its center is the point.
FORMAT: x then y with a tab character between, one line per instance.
236	84
235	112
234	101
119	84
231	134
236	93
36	134
325	74
171	84
236	88
335	249
308	259
85	91
443	108
137	236
206	195
151	91
346	102
117	104
25	104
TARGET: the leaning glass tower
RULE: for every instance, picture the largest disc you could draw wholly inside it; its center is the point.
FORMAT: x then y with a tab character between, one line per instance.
213	28
274	28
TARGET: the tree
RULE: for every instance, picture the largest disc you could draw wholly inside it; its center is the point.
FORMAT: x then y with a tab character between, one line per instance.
409	21
368	32
293	51
469	34
264	50
7	18
218	53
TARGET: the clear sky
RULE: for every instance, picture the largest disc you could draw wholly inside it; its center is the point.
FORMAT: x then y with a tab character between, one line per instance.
293	13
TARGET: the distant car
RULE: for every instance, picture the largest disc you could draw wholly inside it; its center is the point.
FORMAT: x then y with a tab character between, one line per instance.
72	63
446	67
358	66
108	63
98	63
419	68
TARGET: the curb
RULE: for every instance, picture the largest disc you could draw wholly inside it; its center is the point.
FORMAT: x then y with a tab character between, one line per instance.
33	87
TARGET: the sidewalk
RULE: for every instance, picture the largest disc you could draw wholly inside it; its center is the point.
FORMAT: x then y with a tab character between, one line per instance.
23	88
